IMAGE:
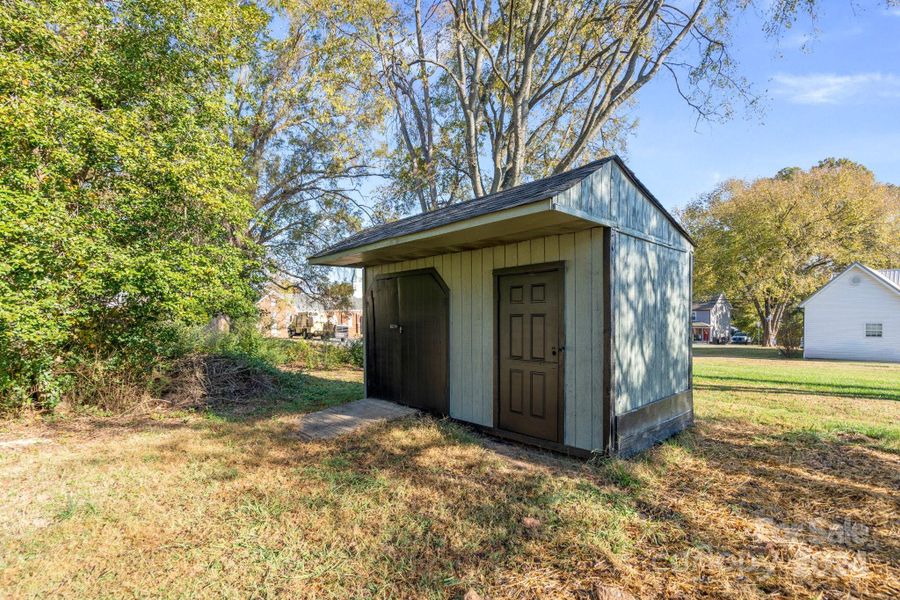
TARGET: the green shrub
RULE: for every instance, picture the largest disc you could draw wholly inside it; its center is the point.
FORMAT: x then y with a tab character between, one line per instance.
120	201
790	334
357	352
321	355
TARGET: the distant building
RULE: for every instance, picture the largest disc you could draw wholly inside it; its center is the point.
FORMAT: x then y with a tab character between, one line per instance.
278	306
855	316
711	320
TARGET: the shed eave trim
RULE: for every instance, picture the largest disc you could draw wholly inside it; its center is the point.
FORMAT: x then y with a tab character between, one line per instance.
335	259
580	214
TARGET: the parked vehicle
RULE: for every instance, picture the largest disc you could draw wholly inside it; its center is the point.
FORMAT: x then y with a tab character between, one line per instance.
304	325
740	337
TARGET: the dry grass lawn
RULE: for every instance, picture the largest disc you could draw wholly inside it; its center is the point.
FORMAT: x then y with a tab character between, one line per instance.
787	487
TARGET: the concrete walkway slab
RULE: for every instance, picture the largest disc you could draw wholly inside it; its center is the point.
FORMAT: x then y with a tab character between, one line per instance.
347	418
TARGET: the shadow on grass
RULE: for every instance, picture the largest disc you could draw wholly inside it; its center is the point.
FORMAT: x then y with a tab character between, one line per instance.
816	389
455	511
455	516
810	480
425	508
738	351
297	393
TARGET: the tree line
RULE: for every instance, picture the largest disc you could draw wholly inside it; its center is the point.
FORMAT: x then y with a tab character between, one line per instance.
771	243
160	160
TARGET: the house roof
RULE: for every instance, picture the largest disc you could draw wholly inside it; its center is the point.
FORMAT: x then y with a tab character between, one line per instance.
708	303
890	279
892	275
519	196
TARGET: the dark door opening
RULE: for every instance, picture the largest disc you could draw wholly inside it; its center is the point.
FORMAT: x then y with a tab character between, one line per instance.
408	343
529	323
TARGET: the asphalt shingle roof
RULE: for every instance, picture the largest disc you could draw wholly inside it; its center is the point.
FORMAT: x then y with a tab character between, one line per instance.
517	196
527	193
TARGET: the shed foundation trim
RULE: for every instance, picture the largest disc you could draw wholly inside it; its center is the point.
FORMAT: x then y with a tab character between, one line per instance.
642	427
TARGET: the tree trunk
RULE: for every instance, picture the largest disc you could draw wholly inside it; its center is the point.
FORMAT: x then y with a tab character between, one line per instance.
770	313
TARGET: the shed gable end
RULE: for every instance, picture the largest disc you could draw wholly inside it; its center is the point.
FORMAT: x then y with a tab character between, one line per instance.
612	196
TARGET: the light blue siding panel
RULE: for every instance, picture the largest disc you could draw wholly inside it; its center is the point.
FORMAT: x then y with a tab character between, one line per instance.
478	349
537	250
583	355
524	253
597	301
512	255
456	351
466	335
551	248
487	336
652	304
567	254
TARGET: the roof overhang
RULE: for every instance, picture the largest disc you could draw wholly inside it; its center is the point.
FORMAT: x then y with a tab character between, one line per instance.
502	227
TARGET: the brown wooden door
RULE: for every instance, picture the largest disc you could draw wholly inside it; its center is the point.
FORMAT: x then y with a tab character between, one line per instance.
530	317
408	340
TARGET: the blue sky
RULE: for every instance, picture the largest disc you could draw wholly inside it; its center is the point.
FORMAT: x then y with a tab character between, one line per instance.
837	94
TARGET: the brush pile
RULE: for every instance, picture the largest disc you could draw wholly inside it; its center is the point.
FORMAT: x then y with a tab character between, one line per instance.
214	380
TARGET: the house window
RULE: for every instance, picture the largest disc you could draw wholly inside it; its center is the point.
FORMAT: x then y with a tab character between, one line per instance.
693	316
873	329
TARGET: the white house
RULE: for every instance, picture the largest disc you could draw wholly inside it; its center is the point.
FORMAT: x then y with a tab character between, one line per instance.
711	320
855	316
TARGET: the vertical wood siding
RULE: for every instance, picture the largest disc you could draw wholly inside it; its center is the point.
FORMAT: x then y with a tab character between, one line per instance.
469	275
609	195
652	314
651	308
651	284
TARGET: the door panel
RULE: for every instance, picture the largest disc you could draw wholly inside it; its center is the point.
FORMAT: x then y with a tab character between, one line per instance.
409	340
387	372
424	313
530	306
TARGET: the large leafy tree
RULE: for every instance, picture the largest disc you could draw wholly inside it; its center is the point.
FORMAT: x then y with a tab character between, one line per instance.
121	203
772	242
305	105
488	94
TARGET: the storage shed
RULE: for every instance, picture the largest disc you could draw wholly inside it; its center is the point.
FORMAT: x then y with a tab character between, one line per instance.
555	313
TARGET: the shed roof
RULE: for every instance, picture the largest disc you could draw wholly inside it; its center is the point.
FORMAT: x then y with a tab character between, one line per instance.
523	197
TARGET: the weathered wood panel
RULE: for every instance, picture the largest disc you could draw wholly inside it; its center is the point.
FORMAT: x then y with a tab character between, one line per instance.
469	275
567	254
